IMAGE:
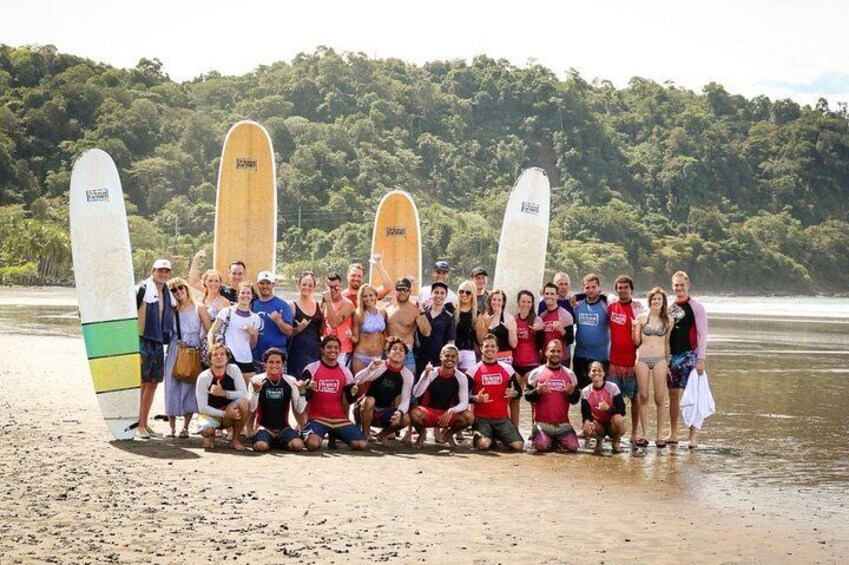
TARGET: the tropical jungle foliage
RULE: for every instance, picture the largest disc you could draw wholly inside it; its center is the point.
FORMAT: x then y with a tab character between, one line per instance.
748	195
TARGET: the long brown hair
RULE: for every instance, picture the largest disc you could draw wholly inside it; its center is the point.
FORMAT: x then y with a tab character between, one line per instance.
664	307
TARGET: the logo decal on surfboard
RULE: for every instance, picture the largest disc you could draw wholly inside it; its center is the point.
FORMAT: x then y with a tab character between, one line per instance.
246	163
530	208
97	195
396	231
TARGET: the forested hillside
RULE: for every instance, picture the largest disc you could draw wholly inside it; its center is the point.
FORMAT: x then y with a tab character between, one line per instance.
748	195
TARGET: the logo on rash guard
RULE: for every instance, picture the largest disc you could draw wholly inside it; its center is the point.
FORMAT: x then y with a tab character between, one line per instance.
619	319
493	379
274	393
588	319
556	384
331	387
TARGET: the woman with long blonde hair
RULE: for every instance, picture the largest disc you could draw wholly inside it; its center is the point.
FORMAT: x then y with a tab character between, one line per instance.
193	323
466	317
368	330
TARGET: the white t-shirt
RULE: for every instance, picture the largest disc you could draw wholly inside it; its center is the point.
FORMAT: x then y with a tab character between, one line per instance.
236	337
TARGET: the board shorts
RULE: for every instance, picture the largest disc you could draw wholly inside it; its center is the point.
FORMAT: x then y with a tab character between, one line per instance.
410	361
680	367
501	429
347	433
279	441
627	385
207	421
152	360
581	366
381	418
432	416
545	436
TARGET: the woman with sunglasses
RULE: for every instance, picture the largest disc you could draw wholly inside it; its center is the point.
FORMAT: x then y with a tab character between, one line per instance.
305	343
194	322
466	317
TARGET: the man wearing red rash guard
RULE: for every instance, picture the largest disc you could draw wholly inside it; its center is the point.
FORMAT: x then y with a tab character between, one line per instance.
602	409
551	389
271	394
494	386
386	387
327	385
444	401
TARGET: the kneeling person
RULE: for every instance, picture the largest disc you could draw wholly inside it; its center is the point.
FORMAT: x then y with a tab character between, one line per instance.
444	400
551	389
386	391
328	384
602	409
494	386
271	394
221	398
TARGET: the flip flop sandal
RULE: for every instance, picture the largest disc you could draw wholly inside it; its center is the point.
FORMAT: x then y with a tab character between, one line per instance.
184	434
660	443
642	443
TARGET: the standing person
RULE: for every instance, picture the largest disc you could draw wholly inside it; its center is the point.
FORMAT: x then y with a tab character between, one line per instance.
494	386
386	388
592	339
356	277
528	326
602	410
403	318
369	330
651	335
305	343
466	317
221	398
444	394
561	283
440	273
622	315
275	317
236	274
272	392
328	385
438	328
155	305
212	300
192	325
500	323
551	389
338	314
557	321
688	348
480	278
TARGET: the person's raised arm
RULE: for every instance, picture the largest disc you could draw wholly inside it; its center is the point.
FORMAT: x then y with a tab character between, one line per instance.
194	271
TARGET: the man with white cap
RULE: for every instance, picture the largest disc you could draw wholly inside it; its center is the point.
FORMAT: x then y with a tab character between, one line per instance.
156	323
440	273
275	316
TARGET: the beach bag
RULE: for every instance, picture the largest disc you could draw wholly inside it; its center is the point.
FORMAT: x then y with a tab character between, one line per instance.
187	366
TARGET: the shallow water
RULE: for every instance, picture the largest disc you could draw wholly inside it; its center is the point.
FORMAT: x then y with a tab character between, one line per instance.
779	372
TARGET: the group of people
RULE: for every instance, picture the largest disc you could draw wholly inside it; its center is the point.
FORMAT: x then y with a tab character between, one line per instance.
337	363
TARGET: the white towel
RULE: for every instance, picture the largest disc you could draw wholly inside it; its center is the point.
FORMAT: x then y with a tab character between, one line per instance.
151	293
697	401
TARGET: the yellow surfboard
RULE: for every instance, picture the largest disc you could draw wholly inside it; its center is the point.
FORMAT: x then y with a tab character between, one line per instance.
246	204
397	237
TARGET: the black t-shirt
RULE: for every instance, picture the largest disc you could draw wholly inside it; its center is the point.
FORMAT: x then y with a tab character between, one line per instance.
443	330
274	401
465	332
680	339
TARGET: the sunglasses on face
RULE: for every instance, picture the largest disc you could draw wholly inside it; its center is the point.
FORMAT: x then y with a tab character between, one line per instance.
402	289
469	292
177	288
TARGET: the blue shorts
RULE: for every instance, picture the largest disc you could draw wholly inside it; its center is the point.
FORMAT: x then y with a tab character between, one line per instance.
680	367
280	441
627	385
348	433
383	416
410	361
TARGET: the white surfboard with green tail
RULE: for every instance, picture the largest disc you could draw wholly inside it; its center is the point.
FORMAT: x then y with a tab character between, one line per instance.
103	272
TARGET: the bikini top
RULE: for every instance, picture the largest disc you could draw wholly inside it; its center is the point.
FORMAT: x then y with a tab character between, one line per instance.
373	323
659	331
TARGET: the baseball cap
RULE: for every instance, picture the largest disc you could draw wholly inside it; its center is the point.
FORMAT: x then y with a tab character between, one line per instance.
441	266
403	284
439	284
479	271
265	276
162	264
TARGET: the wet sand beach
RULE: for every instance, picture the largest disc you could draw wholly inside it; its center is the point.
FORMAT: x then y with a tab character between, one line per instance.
70	494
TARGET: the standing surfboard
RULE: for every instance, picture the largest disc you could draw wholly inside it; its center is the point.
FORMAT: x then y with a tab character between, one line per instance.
397	236
103	274
246	203
520	264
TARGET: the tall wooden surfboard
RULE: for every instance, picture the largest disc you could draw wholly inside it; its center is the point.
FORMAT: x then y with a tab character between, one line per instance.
103	273
246	203
397	236
520	264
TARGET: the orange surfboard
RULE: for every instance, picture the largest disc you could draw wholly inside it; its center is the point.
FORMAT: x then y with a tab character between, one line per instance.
397	237
246	203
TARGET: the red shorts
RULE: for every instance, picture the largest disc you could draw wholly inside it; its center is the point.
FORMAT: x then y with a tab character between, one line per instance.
432	416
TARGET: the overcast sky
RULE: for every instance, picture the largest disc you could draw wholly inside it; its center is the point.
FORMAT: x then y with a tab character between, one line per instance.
779	48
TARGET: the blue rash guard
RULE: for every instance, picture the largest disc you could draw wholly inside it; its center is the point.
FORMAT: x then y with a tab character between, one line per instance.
592	339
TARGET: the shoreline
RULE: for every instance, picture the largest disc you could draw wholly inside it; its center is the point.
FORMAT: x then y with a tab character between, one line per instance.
68	492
